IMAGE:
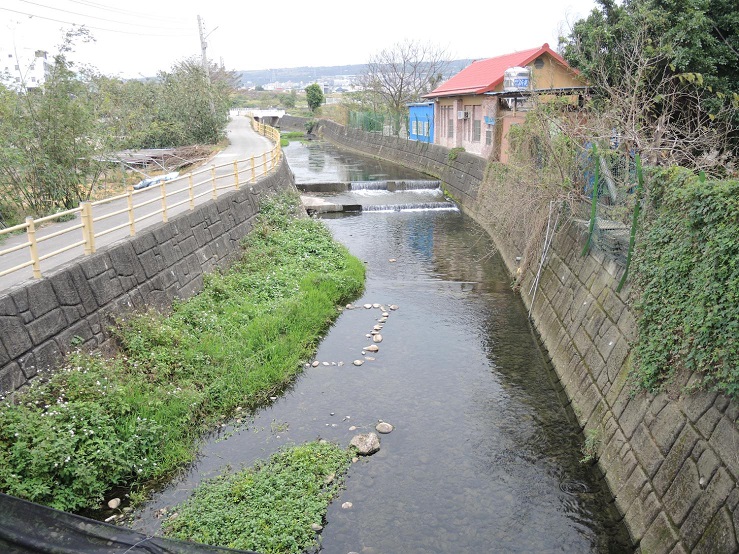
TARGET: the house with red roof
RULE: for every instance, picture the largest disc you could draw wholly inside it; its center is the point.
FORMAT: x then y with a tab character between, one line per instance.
476	108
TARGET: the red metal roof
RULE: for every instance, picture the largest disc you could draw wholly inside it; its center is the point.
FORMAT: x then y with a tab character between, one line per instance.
484	75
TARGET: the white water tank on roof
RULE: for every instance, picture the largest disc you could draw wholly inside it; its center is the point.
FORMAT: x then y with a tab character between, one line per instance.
516	78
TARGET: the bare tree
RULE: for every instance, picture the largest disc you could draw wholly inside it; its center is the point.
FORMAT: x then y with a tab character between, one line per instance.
668	117
403	73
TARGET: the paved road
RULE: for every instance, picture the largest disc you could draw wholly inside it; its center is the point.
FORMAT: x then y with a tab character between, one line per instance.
244	143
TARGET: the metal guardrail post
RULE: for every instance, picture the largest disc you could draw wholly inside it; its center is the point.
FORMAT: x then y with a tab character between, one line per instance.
88	233
264	163
190	191
253	170
213	178
31	232
162	189
131	216
236	174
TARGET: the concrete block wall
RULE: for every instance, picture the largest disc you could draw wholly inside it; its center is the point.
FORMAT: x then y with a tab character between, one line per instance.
670	460
40	320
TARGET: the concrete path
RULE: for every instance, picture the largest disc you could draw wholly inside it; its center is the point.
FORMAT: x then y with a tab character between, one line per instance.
244	143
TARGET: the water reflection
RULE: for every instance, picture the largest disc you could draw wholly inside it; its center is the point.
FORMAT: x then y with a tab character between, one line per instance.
317	161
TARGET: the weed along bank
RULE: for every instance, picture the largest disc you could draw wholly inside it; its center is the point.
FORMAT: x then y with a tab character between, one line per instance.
670	460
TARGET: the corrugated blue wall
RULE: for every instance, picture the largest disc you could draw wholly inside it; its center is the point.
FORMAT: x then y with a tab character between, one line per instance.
421	122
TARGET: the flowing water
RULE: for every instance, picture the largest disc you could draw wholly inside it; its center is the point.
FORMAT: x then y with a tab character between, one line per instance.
485	452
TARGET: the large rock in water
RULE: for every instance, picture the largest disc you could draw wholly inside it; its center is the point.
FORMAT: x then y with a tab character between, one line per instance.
366	444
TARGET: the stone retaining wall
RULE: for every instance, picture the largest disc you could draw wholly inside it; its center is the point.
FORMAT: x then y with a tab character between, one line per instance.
42	319
671	460
292	123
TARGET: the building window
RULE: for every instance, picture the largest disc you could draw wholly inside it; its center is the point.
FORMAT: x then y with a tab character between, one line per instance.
488	137
450	128
476	128
414	127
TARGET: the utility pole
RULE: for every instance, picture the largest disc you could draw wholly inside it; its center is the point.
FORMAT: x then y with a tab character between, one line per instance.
206	68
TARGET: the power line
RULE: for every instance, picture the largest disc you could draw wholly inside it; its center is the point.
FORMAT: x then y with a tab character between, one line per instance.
103	7
95	17
97	28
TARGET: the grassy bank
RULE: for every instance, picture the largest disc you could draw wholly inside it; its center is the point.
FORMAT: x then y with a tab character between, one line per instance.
286	137
134	419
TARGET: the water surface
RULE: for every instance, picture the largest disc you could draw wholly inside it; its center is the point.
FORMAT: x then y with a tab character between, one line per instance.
485	452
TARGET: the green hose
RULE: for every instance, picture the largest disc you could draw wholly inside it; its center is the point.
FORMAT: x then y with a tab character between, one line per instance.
595	200
634	221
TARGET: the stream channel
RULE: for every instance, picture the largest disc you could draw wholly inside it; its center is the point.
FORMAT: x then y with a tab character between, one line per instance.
485	455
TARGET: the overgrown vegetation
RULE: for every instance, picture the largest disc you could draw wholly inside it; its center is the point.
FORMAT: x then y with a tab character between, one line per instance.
269	508
55	138
590	446
664	77
286	137
136	418
664	90
454	152
687	275
543	179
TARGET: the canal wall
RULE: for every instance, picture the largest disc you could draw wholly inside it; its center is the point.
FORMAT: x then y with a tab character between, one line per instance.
76	304
671	460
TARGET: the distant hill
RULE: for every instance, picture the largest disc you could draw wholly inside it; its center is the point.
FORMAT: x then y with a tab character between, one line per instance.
323	73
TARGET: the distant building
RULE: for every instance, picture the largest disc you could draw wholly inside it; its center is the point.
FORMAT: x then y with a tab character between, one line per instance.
23	68
421	121
477	107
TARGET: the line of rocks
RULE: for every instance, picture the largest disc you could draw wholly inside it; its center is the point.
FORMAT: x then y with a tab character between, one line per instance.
374	334
365	444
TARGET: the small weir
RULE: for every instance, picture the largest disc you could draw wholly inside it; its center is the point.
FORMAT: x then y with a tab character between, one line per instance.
485	455
416	184
418	206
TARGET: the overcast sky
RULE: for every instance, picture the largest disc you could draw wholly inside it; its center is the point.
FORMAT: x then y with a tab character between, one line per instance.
137	37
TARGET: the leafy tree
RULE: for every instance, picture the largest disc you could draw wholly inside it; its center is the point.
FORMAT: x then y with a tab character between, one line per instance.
289	100
171	110
315	96
402	74
54	140
51	141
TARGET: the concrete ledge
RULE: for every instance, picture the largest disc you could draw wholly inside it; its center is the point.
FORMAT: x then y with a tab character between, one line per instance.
316	205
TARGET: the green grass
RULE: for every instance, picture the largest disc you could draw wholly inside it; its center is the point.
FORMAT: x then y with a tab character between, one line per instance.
135	419
286	137
268	508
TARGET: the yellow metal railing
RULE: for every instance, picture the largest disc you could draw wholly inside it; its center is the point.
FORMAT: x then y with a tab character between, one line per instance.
186	189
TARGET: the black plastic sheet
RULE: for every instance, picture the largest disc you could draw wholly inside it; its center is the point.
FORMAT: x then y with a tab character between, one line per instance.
28	527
